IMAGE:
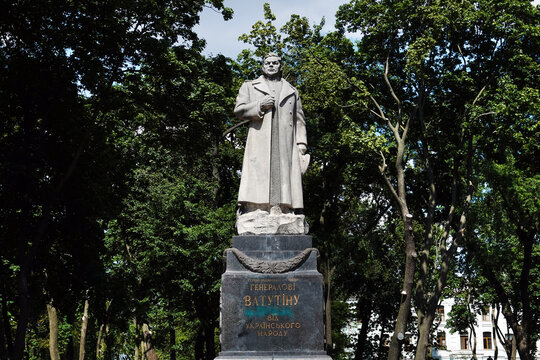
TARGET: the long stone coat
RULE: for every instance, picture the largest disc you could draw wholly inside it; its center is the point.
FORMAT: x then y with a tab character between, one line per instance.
255	181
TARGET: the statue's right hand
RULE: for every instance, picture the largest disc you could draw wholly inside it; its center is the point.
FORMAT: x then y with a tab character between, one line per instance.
267	103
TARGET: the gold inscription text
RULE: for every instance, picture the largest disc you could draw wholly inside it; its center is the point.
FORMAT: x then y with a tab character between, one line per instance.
291	286
269	300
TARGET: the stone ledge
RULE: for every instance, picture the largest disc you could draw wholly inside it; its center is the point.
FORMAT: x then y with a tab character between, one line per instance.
275	357
272	242
267	355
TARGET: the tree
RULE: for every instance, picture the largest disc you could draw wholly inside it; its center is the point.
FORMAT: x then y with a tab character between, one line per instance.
505	246
341	145
61	67
466	288
437	64
178	216
513	187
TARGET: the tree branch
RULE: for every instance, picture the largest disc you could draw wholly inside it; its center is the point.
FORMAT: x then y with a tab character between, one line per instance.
231	129
382	169
386	69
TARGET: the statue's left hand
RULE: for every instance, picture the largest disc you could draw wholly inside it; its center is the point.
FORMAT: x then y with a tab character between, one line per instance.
302	148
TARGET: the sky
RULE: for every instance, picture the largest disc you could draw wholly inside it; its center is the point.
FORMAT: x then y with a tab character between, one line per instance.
222	36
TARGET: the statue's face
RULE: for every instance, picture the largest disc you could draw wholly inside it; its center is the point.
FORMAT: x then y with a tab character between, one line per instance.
271	66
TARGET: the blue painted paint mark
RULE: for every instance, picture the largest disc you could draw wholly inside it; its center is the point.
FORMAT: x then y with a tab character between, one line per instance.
261	311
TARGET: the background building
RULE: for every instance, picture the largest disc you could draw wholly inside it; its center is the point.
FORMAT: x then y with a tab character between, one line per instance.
460	345
487	334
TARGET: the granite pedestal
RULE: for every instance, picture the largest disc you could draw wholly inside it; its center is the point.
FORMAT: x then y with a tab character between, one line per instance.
271	299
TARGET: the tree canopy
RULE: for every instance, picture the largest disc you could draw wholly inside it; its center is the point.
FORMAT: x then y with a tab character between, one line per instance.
120	162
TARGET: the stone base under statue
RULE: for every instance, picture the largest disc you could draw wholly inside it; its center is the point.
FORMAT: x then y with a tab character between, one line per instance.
272	300
261	222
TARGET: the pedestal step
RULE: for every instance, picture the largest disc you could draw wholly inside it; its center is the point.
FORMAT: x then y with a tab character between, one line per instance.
247	356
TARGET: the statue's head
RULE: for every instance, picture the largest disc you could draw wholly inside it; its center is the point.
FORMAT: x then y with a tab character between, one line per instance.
271	65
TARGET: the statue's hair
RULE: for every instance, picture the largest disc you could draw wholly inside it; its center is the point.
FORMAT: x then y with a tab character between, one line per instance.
272	54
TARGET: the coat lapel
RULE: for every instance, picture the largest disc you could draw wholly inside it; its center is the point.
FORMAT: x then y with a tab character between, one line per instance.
286	91
286	88
260	85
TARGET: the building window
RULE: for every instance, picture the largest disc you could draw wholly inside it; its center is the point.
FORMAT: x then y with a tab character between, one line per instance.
464	340
485	314
440	313
441	339
487	340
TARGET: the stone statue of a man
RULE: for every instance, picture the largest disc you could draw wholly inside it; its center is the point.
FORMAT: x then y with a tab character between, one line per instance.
275	154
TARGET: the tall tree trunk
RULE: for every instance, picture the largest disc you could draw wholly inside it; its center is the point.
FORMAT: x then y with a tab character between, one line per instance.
400	129
24	312
210	343
396	343
514	348
520	330
3	345
199	345
328	305
474	342
424	332
149	351
27	256
3	337
84	326
98	342
101	345
137	340
494	331
523	336
172	341
365	311
506	343
426	310
523	346
472	337
53	332
5	330
105	342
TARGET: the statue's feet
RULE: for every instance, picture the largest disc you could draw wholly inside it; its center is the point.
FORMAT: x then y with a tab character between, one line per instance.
275	210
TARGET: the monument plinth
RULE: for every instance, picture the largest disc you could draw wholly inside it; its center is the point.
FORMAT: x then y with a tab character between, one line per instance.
272	301
271	292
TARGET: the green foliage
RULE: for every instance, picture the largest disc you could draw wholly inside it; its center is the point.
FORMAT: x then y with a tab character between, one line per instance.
178	216
344	201
463	76
460	318
90	93
118	183
340	319
263	36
